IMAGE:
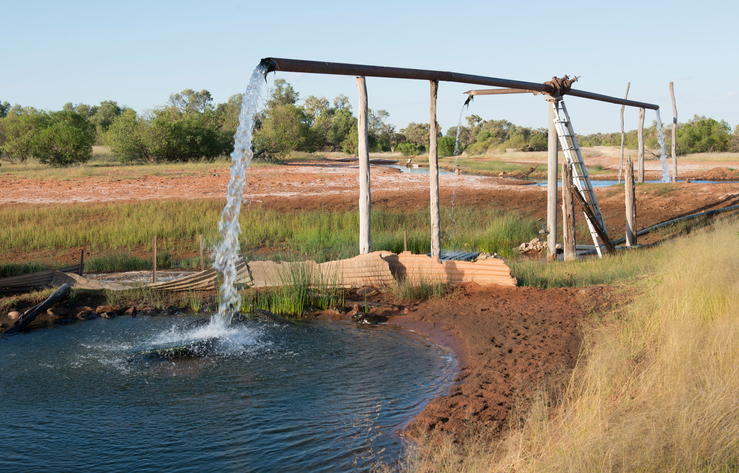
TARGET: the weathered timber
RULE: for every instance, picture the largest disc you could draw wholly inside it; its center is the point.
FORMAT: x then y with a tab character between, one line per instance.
591	216
28	316
621	161
630	205
640	137
568	214
272	64
501	92
365	200
434	175
154	260
552	165
674	134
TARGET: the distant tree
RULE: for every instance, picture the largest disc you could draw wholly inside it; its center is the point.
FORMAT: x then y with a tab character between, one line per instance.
735	140
445	146
67	139
380	133
341	102
4	109
342	123
417	133
465	135
282	94
105	113
188	101
228	114
315	107
127	140
703	135
539	140
18	130
286	128
408	149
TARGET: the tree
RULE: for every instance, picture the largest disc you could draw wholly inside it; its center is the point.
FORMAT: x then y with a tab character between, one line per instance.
445	146
282	94
341	102
105	113
4	109
188	101
417	133
735	140
126	138
285	129
315	107
703	135
18	131
67	139
342	123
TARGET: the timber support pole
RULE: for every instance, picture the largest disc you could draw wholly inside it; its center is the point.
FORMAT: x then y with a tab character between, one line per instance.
630	205
365	200
621	161
552	175
434	175
674	133
568	215
640	137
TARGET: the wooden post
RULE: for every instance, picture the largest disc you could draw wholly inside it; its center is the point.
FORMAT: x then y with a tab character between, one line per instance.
568	214
630	205
640	136
82	260
202	262
154	276
552	175
434	176
621	161
674	134
365	200
405	241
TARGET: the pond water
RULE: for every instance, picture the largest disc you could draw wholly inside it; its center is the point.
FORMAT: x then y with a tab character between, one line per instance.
418	170
267	397
613	182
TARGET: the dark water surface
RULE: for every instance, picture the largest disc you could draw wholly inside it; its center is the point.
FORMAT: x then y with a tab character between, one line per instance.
268	397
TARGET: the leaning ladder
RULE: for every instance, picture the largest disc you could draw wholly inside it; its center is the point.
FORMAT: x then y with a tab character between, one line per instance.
571	149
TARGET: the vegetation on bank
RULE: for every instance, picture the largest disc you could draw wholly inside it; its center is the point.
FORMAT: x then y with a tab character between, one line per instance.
654	388
191	127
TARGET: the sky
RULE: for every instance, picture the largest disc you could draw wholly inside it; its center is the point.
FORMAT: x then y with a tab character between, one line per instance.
139	52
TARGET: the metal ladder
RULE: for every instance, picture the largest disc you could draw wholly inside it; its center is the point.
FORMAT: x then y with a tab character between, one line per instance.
571	149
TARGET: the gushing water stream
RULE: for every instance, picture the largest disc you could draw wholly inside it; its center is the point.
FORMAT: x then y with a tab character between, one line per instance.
662	157
227	252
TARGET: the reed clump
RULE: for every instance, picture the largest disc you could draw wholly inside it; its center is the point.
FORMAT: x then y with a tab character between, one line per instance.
655	388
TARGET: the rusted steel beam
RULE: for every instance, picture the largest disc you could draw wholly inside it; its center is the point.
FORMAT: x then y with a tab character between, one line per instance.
272	64
501	92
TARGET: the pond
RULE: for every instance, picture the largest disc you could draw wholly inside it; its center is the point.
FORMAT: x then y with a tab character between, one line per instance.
267	396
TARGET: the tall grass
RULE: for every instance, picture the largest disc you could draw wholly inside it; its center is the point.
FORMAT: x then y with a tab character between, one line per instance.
655	388
115	227
299	285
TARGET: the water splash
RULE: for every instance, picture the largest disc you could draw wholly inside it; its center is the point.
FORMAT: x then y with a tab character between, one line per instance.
227	252
662	156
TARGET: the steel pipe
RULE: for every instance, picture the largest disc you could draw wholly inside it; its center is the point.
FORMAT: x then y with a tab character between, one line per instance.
272	64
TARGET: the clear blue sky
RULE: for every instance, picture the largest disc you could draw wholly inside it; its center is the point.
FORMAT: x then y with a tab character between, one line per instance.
139	52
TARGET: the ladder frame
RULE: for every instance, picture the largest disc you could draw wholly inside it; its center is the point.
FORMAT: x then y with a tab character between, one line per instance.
580	177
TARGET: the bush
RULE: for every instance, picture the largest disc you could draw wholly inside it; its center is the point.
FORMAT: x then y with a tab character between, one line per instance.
446	146
408	149
67	140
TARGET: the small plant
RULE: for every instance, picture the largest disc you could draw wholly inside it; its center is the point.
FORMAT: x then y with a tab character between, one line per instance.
195	302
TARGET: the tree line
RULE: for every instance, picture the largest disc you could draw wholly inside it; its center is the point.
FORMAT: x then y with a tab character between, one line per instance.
191	127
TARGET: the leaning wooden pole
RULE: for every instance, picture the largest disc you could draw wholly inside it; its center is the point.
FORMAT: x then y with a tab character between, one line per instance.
29	315
630	205
552	175
568	215
640	136
365	200
434	176
621	161
674	134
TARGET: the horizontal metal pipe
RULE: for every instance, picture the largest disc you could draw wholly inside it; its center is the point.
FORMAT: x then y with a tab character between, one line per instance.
317	67
501	92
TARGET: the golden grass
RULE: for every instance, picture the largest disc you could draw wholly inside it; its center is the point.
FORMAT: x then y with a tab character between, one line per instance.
655	389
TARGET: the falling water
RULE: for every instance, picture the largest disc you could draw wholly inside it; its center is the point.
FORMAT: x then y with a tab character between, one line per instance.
227	252
457	152
662	156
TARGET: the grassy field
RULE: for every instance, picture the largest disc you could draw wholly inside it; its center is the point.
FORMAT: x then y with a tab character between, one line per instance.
114	234
655	385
